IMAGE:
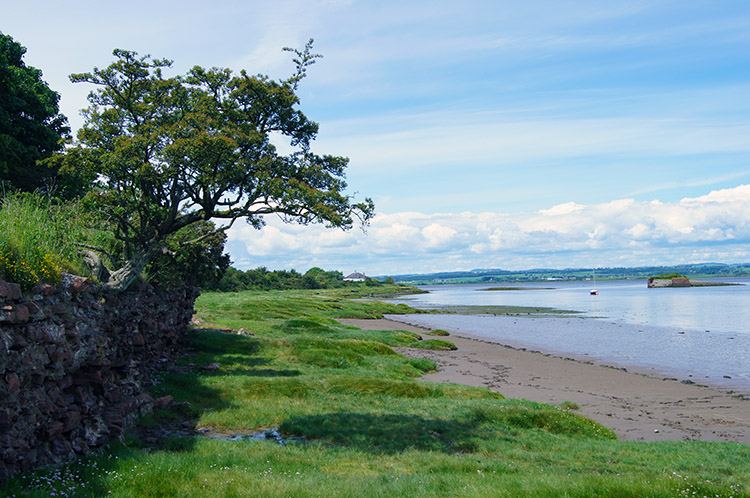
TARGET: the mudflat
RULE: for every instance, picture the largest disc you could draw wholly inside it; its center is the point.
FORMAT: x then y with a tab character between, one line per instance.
638	407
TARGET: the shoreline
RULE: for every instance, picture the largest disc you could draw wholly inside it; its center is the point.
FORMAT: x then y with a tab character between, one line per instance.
637	406
717	359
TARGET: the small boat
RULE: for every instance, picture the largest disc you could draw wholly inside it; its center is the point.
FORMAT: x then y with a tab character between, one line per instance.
594	292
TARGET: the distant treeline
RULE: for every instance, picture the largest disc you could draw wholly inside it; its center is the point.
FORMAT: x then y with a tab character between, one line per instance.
235	280
700	270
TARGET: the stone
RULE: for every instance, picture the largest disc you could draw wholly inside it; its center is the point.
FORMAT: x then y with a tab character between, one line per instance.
79	285
17	342
14	385
35	312
19	314
9	291
54	429
61	447
72	419
4	421
69	381
57	309
88	377
162	402
79	446
45	289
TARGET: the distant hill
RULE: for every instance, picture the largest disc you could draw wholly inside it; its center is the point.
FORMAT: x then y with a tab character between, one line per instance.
702	270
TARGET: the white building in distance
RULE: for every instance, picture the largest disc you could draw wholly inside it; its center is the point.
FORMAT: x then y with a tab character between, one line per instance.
355	277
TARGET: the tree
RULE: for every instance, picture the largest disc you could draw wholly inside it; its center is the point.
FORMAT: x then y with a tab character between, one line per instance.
183	260
168	152
31	127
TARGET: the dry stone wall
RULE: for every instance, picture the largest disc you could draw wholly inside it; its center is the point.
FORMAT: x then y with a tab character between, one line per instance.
75	363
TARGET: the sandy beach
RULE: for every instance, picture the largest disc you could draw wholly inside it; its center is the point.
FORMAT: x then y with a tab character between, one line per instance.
637	407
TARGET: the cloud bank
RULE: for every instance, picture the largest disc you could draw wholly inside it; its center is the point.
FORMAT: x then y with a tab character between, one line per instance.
623	232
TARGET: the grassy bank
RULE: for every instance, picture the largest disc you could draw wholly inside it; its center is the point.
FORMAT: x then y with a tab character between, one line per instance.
39	237
357	422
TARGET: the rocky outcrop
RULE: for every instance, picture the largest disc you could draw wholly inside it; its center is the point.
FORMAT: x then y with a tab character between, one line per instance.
669	282
75	363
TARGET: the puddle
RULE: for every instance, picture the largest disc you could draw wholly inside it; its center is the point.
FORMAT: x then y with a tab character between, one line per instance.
265	435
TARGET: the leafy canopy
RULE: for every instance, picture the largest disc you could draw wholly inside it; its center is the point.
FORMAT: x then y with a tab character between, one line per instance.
167	152
31	127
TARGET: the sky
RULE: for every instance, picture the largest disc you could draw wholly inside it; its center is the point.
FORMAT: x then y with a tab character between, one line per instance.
490	134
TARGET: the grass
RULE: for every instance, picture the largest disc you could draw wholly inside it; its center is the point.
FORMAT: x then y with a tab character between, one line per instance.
668	276
38	238
367	426
438	332
500	310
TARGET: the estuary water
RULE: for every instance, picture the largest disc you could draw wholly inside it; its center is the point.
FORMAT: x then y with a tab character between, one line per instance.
697	334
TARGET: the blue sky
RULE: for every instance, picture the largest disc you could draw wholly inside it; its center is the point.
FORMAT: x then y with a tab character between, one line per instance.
489	133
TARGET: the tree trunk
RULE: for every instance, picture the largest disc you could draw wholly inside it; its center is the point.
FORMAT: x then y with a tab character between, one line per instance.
121	279
94	261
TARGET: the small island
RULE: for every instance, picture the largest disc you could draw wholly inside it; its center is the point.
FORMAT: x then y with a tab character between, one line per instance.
679	280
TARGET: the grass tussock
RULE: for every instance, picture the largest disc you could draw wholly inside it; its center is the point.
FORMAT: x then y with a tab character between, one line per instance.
439	332
436	344
367	426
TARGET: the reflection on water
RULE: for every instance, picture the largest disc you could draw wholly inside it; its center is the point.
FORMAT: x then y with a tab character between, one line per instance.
699	333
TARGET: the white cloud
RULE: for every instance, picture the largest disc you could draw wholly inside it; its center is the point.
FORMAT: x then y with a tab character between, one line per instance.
622	231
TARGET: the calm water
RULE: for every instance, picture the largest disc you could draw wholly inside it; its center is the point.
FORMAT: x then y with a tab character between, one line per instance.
700	334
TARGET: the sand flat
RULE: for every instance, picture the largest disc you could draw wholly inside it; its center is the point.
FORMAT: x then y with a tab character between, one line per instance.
637	407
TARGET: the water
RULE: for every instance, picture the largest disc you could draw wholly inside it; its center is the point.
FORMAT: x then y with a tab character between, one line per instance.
701	334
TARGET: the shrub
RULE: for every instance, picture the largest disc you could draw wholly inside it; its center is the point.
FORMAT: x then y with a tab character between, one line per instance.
27	272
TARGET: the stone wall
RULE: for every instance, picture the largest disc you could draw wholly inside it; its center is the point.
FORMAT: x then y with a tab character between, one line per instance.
75	362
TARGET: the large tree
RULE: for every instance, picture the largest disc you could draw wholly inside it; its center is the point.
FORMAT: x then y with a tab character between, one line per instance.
168	152
31	127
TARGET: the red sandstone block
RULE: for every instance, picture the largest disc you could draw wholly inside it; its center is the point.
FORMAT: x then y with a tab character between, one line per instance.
14	385
9	291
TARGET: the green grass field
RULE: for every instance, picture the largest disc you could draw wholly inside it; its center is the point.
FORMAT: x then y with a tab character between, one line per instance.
359	423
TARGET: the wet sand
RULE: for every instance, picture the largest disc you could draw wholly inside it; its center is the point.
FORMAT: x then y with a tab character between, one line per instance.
638	407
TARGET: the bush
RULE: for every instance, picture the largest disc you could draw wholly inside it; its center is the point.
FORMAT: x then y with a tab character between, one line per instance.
27	272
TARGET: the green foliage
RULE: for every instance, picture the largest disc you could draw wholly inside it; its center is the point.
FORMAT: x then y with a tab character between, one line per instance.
384	387
38	236
192	256
371	282
668	276
569	405
437	344
31	127
234	280
27	272
439	332
423	365
527	415
168	152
